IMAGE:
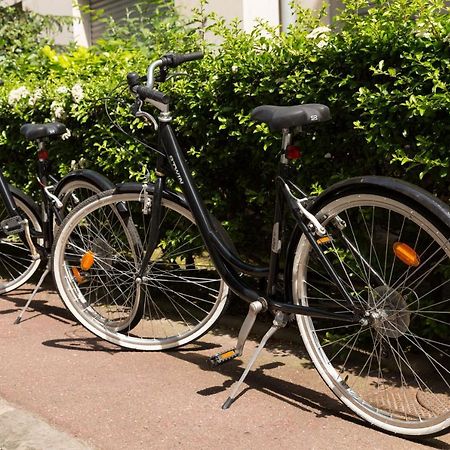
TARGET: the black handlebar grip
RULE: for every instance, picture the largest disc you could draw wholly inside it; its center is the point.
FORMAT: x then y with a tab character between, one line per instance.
175	59
145	92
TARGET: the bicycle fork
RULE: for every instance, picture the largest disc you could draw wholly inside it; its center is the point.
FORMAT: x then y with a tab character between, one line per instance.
155	218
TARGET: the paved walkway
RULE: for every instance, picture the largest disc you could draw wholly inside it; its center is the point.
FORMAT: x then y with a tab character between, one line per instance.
20	429
73	391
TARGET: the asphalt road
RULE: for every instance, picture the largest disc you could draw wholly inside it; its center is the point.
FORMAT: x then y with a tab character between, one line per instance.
62	388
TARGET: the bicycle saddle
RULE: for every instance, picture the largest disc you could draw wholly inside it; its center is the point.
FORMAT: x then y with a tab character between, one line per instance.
40	130
279	117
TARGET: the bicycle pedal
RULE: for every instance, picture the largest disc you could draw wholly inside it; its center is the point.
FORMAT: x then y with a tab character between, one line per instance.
12	225
223	357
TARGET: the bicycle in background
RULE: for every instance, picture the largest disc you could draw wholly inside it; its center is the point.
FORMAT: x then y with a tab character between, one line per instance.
27	231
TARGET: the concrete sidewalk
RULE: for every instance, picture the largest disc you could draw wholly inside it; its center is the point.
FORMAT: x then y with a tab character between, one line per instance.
20	429
71	390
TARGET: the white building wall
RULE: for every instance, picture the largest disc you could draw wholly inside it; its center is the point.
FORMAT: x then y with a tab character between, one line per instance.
55	8
253	10
230	9
275	12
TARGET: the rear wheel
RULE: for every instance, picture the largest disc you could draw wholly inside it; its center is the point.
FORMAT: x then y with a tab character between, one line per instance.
393	369
16	262
180	295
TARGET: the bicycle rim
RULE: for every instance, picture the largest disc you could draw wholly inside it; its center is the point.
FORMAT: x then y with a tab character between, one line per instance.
393	370
16	262
177	300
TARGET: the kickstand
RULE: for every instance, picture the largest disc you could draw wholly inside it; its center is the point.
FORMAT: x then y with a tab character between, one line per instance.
279	321
27	304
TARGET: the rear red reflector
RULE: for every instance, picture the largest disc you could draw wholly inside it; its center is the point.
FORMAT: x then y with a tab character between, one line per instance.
293	152
43	155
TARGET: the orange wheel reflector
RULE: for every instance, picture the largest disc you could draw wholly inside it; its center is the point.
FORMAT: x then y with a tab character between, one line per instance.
77	275
324	240
406	254
87	260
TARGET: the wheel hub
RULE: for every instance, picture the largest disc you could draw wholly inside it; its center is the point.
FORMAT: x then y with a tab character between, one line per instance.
388	312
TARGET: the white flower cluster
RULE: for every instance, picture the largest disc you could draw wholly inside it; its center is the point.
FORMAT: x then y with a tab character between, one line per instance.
66	135
35	97
77	93
18	94
321	33
62	90
57	110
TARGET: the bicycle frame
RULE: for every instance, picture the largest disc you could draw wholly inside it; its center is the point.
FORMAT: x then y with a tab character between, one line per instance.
226	262
6	196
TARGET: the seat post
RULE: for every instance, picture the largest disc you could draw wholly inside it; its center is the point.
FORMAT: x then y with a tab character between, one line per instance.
286	139
46	214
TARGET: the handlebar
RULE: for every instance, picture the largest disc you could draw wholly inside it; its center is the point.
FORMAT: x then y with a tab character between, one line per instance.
175	59
169	60
152	94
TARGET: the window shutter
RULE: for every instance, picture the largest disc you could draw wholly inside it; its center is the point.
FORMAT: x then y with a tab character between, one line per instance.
117	9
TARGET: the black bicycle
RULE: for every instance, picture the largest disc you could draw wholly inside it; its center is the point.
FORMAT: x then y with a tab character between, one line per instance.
26	231
366	272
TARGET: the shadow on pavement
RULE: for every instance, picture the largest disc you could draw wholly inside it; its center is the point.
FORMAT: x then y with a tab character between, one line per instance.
296	395
38	306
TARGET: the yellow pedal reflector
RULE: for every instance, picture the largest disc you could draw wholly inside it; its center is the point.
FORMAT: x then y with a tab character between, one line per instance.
77	275
220	358
324	240
87	260
406	254
228	354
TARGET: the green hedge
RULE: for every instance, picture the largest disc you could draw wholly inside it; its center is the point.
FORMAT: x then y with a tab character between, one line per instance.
383	71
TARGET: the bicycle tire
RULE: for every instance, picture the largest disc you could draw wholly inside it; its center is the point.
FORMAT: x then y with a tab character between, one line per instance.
17	265
173	297
391	371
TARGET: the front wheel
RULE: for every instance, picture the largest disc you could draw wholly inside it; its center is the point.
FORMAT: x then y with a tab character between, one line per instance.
393	257
97	259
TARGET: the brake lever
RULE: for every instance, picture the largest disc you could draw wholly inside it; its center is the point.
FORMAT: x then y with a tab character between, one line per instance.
163	71
148	118
177	74
136	109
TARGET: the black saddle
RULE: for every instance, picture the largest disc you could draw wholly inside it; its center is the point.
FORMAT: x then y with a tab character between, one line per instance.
279	117
41	130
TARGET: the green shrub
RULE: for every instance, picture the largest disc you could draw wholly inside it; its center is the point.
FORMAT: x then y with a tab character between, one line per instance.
43	83
383	73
